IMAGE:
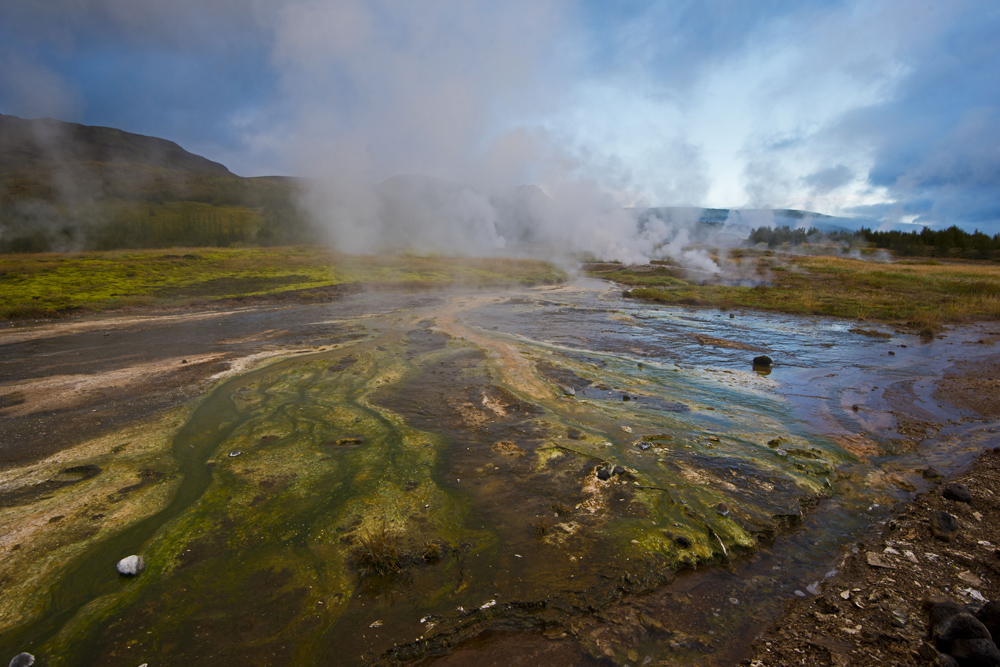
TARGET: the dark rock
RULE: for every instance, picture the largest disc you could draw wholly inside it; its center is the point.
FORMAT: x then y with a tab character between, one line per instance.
762	360
944	525
626	397
931	473
618	470
957	492
627	293
732	316
855	407
961	627
891	353
603	474
682	541
573	434
22	660
980	652
826	605
989	616
644	446
722	509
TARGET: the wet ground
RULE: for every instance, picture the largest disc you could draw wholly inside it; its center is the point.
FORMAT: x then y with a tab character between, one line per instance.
392	478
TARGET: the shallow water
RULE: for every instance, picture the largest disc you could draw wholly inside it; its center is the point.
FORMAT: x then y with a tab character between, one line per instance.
469	430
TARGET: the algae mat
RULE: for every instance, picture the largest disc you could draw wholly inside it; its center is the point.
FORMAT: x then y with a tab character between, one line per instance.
386	499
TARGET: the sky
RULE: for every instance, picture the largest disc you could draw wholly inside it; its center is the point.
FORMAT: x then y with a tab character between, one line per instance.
883	109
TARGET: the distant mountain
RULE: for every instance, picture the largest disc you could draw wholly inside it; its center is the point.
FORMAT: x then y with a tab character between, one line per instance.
45	142
66	186
743	220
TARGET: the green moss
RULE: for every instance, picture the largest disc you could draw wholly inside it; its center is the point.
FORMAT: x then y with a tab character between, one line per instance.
48	285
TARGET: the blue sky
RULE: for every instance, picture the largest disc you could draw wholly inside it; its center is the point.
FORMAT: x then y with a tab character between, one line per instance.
886	109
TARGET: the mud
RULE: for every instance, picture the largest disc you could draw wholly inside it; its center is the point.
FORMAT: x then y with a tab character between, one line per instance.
529	521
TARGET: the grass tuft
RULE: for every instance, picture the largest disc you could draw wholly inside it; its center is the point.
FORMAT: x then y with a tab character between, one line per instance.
377	553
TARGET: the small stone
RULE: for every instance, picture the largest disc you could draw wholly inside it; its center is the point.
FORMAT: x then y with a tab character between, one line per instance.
22	660
845	595
931	473
633	655
626	397
618	470
876	560
944	525
234	454
912	557
683	542
970	578
131	565
376	624
957	492
569	391
762	360
855	407
603	474
722	509
898	618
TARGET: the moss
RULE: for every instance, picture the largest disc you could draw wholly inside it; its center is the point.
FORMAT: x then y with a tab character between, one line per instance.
49	285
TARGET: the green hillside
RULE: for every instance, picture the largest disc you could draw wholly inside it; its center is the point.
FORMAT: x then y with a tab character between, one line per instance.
65	186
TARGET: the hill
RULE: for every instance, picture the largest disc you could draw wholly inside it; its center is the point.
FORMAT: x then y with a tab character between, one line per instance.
65	186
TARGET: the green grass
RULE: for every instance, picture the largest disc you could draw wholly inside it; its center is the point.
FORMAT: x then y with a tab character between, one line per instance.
49	285
920	295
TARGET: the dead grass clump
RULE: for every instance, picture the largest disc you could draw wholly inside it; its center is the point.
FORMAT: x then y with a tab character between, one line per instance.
377	553
871	333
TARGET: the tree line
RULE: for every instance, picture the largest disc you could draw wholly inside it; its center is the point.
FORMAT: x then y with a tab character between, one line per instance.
950	242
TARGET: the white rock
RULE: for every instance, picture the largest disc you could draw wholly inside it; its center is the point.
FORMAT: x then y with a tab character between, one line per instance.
131	565
22	660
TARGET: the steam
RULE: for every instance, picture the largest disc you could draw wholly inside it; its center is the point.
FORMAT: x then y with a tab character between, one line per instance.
415	131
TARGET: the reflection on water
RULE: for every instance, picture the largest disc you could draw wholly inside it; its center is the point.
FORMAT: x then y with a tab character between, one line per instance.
522	461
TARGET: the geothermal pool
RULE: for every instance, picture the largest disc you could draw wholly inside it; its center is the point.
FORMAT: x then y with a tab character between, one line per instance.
413	471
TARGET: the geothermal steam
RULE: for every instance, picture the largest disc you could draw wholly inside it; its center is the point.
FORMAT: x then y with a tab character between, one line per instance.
415	130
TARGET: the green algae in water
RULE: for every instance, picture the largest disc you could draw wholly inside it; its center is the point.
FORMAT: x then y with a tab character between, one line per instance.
288	468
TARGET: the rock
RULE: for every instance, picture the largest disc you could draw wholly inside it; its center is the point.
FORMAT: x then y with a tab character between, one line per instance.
22	660
644	446
627	293
131	565
954	631
626	397
944	525
618	470
980	652
573	434
569	391
876	560
931	473
722	509
234	454
603	474
682	541
732	316
957	492
762	360
989	616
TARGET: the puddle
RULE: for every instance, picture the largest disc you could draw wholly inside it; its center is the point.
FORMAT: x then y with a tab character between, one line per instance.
469	465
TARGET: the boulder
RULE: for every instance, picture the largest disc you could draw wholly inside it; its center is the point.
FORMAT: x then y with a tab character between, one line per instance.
22	660
763	361
944	525
957	492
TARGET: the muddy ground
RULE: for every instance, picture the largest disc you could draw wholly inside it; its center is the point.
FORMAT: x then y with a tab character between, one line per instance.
871	611
56	392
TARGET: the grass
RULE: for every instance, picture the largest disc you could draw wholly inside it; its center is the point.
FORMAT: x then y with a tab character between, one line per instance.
922	295
50	285
377	553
